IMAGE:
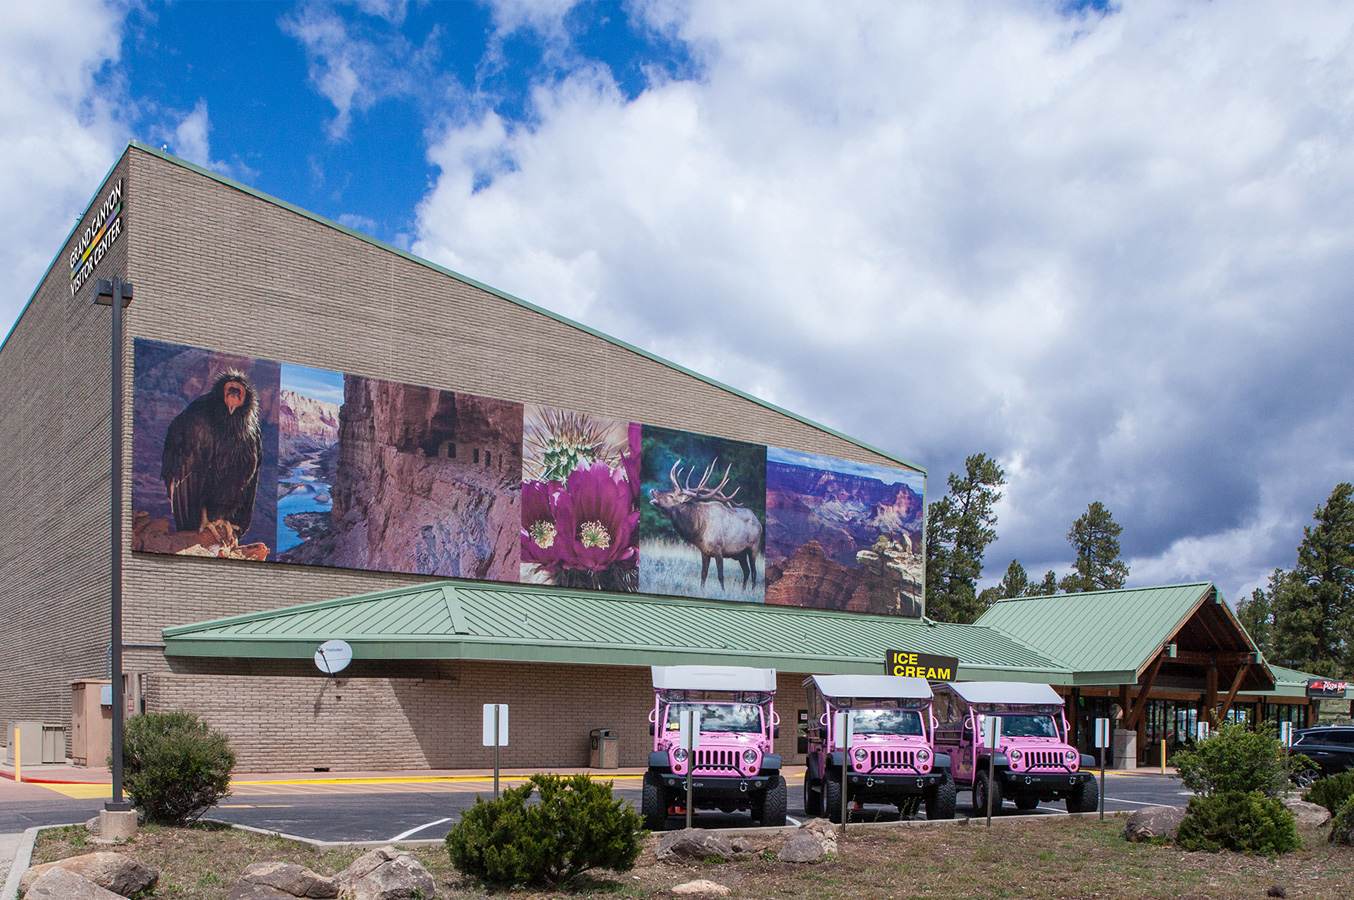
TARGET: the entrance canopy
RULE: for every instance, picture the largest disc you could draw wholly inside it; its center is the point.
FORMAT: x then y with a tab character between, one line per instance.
525	623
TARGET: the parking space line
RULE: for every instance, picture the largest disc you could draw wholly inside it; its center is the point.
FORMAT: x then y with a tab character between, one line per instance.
1135	802
793	821
404	834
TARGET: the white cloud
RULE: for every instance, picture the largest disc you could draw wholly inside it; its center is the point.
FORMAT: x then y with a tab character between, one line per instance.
1116	250
59	129
190	138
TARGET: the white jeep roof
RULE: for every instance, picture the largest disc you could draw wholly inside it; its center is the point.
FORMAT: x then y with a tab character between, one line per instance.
876	687
713	678
1006	692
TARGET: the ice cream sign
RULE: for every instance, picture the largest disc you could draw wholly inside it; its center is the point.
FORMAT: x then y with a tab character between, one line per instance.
909	664
92	244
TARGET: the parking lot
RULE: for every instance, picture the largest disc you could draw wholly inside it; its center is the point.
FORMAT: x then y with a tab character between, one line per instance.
415	808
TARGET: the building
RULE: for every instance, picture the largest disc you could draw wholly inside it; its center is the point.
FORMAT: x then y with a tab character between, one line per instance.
328	438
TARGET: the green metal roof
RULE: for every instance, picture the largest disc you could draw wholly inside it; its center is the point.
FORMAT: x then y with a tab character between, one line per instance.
1103	636
476	620
1293	683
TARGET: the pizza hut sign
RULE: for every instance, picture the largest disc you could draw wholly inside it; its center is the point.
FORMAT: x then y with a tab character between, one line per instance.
1324	687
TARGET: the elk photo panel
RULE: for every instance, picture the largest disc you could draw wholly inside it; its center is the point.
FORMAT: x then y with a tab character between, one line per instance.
272	462
702	526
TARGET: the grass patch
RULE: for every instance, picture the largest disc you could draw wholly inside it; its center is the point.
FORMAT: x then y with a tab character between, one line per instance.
1053	857
668	567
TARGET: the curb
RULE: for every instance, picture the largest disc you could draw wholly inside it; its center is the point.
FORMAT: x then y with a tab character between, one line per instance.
22	858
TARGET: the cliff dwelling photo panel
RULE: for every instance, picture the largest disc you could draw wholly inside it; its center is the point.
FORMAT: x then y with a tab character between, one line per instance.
580	500
204	452
424	481
847	534
702	515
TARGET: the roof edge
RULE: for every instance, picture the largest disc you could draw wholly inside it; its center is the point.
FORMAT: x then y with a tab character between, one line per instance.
504	295
1123	590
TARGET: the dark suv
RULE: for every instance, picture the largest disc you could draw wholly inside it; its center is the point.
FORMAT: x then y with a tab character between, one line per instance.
1331	747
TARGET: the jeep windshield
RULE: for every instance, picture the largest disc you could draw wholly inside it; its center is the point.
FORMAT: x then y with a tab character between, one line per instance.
886	721
1015	725
719	717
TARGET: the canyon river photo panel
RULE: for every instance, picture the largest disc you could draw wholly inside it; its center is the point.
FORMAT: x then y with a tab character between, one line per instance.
249	459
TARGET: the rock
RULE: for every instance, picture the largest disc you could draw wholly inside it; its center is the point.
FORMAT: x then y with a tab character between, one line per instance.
93	826
701	886
63	884
693	843
1153	822
1310	815
824	831
116	872
290	879
1276	890
386	874
802	847
244	890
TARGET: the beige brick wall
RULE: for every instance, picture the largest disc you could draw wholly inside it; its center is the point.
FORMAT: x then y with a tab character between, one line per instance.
279	717
219	268
54	418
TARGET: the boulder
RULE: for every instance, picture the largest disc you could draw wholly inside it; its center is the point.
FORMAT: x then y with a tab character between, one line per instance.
824	831
701	887
1153	822
386	874
1310	815
244	890
802	847
693	843
116	872
289	879
63	884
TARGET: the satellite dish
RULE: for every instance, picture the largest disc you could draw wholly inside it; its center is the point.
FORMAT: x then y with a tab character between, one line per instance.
333	657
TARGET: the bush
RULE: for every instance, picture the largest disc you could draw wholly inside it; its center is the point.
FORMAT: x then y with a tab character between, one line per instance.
175	766
1332	792
577	825
1246	822
1342	828
1235	760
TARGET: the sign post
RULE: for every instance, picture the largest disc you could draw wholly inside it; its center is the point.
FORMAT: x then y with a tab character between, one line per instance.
1286	733
842	728
1201	730
495	733
690	724
1102	741
991	740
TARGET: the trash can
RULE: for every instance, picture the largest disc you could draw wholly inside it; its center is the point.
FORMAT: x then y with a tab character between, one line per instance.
603	749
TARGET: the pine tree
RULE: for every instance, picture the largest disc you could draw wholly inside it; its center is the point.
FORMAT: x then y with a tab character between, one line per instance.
1046	587
1095	538
1314	613
959	528
1014	583
1257	613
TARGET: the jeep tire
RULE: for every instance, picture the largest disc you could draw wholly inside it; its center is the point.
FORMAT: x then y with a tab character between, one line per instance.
980	795
813	798
1027	802
1085	798
769	808
940	800
654	804
832	798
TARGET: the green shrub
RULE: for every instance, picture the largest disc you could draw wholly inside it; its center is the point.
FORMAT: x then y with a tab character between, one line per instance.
1332	792
577	825
1246	822
1235	760
175	766
1342	827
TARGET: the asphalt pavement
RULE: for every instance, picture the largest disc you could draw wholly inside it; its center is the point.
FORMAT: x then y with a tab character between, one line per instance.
382	812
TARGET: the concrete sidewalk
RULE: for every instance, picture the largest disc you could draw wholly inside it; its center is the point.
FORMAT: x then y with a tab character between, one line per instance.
9	845
87	775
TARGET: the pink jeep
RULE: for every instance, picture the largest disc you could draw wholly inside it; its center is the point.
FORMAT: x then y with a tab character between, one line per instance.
1034	760
892	755
734	766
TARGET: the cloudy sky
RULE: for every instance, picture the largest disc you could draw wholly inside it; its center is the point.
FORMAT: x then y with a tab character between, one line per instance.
1111	245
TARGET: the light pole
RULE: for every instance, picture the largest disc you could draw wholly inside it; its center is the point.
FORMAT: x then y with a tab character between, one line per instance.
108	289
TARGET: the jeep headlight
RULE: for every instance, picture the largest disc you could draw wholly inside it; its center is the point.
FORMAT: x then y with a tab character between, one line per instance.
923	754
749	755
861	753
1015	756
1071	755
679	754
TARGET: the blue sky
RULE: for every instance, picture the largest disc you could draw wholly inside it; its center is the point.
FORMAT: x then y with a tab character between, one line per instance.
885	474
1107	243
318	384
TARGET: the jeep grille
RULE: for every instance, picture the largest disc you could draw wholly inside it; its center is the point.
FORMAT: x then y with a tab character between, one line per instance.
893	759
1044	759
717	760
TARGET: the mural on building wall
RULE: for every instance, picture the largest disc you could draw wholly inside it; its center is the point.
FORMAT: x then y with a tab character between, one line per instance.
250	459
702	526
204	452
580	500
843	535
